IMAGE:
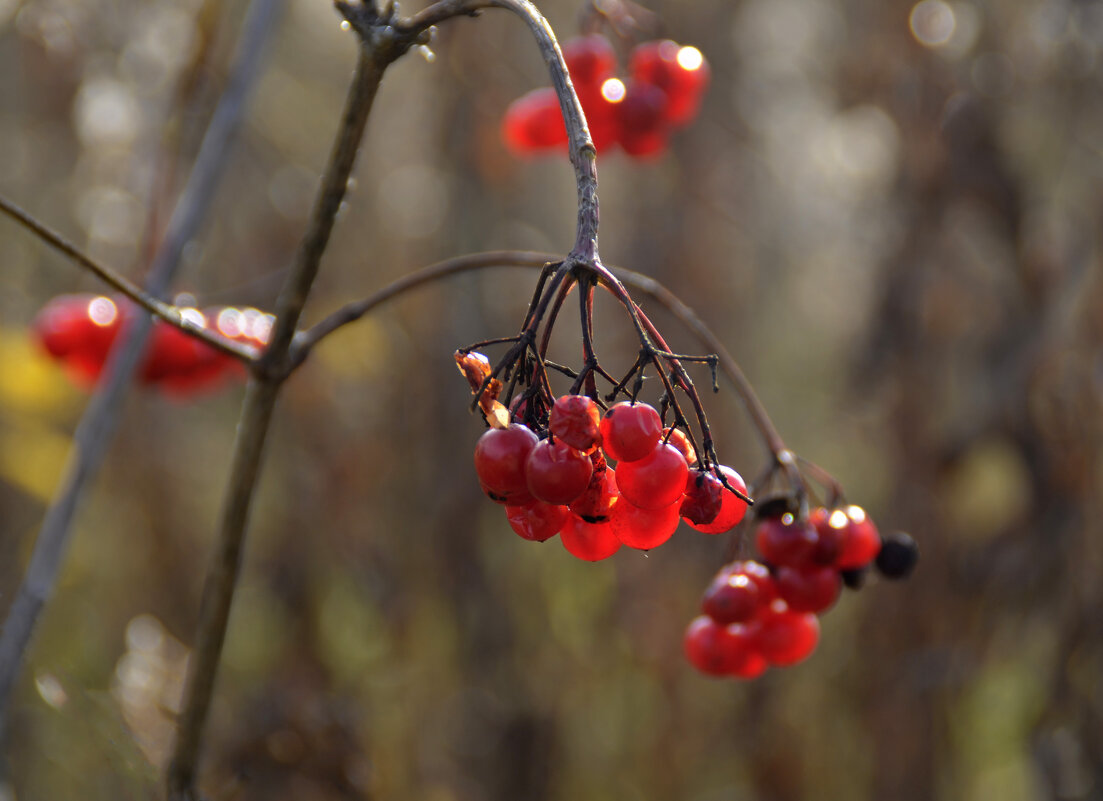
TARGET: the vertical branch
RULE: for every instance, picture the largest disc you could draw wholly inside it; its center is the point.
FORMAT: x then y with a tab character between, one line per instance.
379	47
94	432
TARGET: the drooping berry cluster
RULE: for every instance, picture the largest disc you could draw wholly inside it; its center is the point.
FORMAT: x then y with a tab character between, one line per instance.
79	331
602	481
662	93
761	614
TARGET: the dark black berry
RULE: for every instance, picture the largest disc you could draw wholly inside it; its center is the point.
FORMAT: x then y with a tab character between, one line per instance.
898	556
855	577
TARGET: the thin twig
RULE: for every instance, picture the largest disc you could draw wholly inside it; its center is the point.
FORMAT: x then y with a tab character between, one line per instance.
146	298
99	421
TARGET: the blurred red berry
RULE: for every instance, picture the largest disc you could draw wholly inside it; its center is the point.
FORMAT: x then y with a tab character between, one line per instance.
534	122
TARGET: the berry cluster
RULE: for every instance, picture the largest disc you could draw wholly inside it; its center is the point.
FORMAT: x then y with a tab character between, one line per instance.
565	484
663	92
761	614
79	331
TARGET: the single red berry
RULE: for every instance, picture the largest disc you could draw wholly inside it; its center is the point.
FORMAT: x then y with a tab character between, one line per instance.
759	574
786	637
576	421
590	60
630	431
808	589
500	456
595	504
534	122
643	529
861	543
732	507
78	330
830	529
678	438
719	650
556	472
537	521
599	103
732	598
641	115
655	481
589	541
681	72
703	499
786	540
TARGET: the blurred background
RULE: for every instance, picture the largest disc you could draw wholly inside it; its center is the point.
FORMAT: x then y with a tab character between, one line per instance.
889	211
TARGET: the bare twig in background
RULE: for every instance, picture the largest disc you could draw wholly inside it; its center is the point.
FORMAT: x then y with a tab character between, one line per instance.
93	434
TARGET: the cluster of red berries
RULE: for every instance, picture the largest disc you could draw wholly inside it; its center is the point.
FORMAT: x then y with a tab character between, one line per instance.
662	93
79	331
565	484
755	615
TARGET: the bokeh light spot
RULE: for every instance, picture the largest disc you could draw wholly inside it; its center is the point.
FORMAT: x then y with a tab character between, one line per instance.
613	90
690	59
932	23
102	311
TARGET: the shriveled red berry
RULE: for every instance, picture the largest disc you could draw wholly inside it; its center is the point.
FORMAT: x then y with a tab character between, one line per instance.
655	481
534	122
589	541
500	456
732	597
595	504
732	507
719	650
786	637
537	521
630	431
576	420
643	529
643	125
861	542
702	500
786	540
556	472
681	72
808	589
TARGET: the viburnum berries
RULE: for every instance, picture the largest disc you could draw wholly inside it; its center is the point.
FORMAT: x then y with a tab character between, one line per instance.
79	331
564	484
768	610
663	92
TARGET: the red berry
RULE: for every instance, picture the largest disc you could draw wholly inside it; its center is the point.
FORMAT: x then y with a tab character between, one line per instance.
719	650
732	507
590	60
556	472
600	106
534	122
537	521
630	431
500	456
808	589
831	531
861	542
678	438
78	330
595	505
732	598
655	481
703	498
589	541
681	72
576	420
786	540
786	637
641	115
643	528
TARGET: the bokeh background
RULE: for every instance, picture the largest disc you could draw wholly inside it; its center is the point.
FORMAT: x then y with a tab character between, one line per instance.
890	213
